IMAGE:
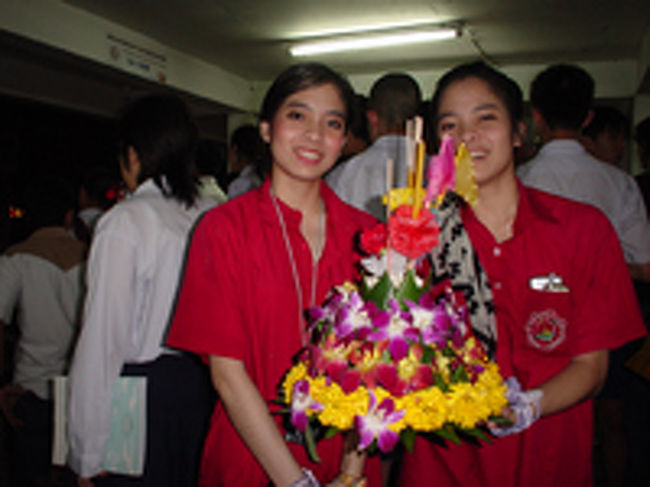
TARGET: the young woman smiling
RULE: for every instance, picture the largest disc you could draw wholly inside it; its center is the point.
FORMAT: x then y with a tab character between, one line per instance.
253	268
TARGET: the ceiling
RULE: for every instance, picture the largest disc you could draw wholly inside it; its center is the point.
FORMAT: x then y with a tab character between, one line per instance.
250	37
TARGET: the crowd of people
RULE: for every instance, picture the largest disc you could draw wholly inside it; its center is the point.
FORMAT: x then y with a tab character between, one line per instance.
197	279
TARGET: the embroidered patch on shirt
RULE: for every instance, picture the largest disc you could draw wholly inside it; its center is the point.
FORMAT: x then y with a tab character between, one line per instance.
545	330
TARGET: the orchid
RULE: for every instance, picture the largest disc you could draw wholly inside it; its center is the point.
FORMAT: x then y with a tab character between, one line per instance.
301	404
394	325
351	317
375	424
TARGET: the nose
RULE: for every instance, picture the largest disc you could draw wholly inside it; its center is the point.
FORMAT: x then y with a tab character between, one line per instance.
467	134
314	130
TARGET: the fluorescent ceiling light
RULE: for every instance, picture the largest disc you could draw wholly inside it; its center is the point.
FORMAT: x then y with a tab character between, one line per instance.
370	41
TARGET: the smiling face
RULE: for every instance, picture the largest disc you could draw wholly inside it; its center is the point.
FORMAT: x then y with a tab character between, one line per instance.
306	133
472	113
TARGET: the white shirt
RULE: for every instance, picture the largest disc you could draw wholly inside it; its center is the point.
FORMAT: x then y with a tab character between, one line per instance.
247	180
565	168
209	188
133	273
42	278
361	180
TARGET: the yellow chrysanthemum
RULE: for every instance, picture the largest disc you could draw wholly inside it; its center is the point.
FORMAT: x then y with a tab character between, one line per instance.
466	405
340	408
426	410
297	372
493	390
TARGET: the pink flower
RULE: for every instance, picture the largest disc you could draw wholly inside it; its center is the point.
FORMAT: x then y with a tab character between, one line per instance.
301	402
442	169
374	425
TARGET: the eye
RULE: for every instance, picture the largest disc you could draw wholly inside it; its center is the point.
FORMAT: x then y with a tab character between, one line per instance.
335	123
295	115
488	117
446	126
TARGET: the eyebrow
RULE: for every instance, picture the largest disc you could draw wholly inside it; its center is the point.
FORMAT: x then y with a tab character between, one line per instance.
300	104
485	106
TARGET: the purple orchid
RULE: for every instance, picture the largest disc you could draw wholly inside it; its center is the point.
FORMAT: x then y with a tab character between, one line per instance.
352	316
431	320
394	325
301	402
374	425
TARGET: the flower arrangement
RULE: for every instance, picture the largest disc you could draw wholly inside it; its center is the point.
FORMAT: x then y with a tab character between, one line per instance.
394	355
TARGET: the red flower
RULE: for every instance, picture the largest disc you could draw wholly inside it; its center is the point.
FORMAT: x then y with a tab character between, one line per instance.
412	237
373	240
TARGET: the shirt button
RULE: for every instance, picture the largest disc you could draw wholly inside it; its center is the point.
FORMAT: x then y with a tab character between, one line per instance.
496	251
497	286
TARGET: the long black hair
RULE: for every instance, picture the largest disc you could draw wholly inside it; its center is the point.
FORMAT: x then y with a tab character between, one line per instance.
161	131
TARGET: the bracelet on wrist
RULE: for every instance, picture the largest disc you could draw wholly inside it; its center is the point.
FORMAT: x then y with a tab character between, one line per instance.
348	480
307	479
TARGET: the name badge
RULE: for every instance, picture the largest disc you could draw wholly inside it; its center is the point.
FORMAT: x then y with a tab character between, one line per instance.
550	284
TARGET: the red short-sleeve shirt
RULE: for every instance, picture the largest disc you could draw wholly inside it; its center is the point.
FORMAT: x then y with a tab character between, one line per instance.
539	331
238	299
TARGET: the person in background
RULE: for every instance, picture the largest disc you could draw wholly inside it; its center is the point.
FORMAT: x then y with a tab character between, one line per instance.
606	134
133	271
41	282
642	138
561	299
211	168
561	97
248	160
255	265
358	138
97	193
361	181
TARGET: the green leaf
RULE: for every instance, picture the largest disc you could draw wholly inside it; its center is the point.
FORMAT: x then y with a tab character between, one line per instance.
310	444
447	432
409	289
408	439
440	382
478	433
380	293
330	432
459	375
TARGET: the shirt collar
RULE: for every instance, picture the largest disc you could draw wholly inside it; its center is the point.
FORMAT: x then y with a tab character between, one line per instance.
529	210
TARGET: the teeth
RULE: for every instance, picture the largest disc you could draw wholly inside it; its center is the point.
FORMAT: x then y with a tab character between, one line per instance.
476	154
308	155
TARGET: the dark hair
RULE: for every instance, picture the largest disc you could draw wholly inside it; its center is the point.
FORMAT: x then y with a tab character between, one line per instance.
164	136
47	200
358	120
506	89
300	77
396	98
563	94
606	120
99	183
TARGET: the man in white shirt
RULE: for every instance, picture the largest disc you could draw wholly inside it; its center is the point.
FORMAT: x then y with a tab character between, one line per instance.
361	181
561	99
41	282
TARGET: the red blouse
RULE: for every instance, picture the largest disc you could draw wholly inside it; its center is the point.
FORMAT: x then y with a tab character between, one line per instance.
239	300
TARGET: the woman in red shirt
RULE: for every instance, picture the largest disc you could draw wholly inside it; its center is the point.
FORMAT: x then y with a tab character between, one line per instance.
254	266
562	297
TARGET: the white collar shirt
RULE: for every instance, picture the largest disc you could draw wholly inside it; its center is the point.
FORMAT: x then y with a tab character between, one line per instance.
133	273
565	168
